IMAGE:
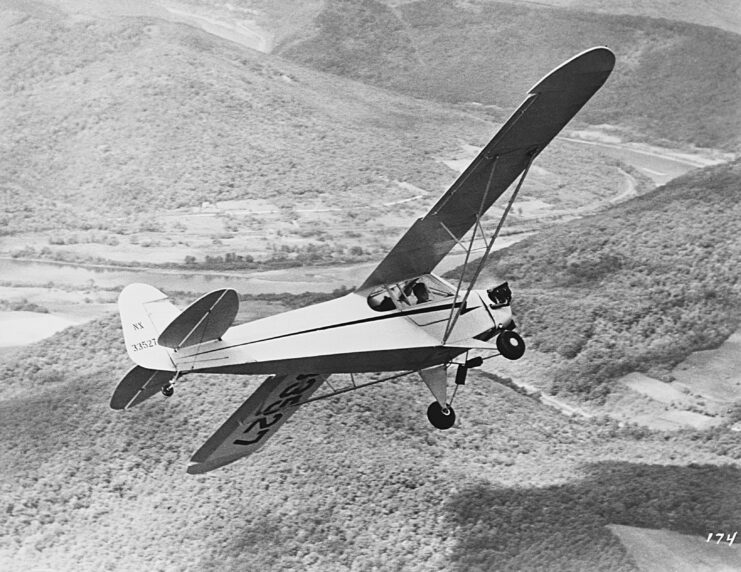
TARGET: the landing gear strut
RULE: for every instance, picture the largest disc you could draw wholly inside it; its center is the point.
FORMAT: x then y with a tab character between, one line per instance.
510	345
439	417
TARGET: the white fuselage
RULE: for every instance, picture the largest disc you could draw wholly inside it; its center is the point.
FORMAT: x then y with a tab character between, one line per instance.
346	335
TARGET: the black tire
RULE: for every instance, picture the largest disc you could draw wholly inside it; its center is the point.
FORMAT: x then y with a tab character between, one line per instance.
511	345
438	418
168	390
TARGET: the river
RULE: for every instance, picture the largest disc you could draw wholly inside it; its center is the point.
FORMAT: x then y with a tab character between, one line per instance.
34	273
50	273
660	165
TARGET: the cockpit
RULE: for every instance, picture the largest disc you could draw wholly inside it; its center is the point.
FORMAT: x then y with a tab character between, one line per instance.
403	295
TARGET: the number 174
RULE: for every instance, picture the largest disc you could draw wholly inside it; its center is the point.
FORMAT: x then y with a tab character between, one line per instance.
719	536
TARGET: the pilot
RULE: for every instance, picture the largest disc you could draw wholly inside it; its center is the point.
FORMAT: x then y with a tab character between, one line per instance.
381	304
386	304
421	292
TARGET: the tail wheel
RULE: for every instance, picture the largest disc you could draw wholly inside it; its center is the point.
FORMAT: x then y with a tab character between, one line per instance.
439	417
510	345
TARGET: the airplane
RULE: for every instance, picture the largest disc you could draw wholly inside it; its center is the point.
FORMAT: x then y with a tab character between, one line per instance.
402	318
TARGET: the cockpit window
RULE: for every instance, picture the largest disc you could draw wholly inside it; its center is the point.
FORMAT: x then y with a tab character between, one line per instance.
420	290
437	288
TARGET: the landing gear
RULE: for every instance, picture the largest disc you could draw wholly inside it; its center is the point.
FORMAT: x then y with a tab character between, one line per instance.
168	389
439	417
510	345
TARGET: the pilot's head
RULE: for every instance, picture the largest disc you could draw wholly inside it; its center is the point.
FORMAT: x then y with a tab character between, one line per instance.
420	292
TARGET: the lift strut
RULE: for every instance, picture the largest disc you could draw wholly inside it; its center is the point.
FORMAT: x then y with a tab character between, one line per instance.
455	312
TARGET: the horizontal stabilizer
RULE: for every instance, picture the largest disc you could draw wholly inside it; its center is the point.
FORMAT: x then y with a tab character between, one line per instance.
205	320
138	385
255	421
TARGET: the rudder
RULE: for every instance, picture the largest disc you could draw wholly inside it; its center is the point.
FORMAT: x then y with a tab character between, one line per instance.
145	313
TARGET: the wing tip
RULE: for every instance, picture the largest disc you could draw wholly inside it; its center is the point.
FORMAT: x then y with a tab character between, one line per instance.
601	57
116	404
205	466
197	469
597	62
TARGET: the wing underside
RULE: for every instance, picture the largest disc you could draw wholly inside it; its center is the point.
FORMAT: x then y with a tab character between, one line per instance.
549	106
256	420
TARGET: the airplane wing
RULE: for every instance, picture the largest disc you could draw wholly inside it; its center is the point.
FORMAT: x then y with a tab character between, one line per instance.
549	106
255	421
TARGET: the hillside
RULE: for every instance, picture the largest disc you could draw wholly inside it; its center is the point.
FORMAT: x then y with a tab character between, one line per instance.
134	139
137	114
723	14
359	482
673	80
636	288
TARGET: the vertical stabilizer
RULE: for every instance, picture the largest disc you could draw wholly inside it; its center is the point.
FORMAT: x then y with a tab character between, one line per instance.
145	313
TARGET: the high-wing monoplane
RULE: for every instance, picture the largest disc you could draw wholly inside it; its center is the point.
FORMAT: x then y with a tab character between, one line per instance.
402	318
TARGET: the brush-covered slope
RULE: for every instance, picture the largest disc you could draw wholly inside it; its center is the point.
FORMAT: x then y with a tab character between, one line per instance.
636	288
108	122
105	118
672	80
723	14
357	483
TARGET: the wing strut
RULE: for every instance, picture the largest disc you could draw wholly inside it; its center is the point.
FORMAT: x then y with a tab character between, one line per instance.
479	214
456	310
335	392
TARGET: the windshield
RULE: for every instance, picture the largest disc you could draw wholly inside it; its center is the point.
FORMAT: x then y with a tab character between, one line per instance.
420	290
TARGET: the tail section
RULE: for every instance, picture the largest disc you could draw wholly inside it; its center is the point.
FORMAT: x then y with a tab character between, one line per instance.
145	314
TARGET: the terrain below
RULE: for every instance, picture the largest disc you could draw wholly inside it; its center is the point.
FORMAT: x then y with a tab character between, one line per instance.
698	395
50	283
233	24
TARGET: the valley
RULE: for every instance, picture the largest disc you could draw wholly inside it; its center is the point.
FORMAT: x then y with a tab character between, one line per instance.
94	284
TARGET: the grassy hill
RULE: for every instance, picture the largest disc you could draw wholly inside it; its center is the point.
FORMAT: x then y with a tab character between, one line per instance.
117	126
359	482
285	18
723	14
636	288
673	80
111	117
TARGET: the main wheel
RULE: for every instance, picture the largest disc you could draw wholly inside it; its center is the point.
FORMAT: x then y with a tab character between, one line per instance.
439	418
168	390
510	344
